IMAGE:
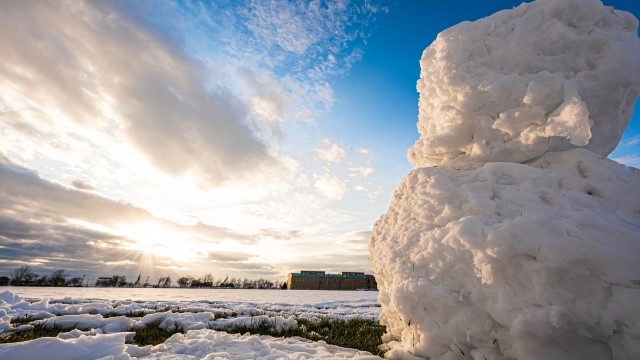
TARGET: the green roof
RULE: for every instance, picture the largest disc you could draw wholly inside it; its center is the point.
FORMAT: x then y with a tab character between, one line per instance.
350	276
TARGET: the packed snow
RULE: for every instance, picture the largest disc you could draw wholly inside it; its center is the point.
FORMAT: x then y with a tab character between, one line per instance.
522	241
101	329
546	76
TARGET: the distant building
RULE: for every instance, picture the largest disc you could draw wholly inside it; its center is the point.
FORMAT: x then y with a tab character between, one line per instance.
4	280
319	280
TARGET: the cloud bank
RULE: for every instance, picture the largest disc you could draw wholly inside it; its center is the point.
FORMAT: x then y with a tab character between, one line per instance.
86	67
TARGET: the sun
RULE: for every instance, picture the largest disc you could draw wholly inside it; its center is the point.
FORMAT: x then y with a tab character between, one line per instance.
159	240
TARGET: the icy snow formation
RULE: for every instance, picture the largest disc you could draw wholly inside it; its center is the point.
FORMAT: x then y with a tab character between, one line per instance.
507	260
194	344
524	241
97	336
545	76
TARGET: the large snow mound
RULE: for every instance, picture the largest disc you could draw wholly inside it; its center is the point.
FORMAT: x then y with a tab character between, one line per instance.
513	261
546	76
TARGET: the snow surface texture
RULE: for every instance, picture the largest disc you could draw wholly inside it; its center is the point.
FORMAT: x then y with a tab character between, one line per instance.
546	76
195	344
105	337
519	244
507	260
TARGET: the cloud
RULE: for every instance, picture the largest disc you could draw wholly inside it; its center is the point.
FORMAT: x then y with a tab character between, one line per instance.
630	160
330	186
81	64
309	32
633	141
331	152
81	185
60	227
361	171
227	256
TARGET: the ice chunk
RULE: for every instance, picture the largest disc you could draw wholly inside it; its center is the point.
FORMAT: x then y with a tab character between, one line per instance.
513	261
546	76
9	297
86	321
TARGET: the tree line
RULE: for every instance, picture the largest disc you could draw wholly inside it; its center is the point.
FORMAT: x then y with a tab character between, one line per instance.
207	281
25	276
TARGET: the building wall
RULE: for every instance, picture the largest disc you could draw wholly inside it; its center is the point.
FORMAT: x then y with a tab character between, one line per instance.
297	281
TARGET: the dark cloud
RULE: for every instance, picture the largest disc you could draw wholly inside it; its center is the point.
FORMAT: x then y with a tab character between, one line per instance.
50	246
81	185
46	224
228	257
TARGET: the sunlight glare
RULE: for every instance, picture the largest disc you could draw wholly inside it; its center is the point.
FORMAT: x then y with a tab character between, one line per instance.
158	240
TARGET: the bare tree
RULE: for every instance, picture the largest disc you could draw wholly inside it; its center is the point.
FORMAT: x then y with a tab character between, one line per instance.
75	281
118	280
164	282
185	281
208	278
23	275
137	282
57	278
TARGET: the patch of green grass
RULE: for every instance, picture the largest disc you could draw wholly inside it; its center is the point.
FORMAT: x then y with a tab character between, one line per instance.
152	335
38	331
224	315
355	333
137	314
23	320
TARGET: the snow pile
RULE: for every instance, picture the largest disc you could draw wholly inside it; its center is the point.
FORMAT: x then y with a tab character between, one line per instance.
8	298
100	331
545	76
538	257
194	344
87	321
110	346
209	344
182	321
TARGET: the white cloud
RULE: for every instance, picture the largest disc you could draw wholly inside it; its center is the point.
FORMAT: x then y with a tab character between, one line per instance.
331	152
630	160
361	171
633	141
76	64
330	186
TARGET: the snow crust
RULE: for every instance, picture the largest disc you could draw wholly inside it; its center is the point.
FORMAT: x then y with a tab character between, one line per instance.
101	329
513	261
546	76
194	344
521	241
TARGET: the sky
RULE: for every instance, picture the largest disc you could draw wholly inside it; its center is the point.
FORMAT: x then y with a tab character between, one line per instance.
238	138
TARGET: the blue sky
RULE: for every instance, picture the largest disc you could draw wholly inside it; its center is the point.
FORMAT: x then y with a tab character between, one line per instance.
247	139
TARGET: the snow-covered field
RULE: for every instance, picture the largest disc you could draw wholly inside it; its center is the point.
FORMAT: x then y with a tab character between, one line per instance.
202	314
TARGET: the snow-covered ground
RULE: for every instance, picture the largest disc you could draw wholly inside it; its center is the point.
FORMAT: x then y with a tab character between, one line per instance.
203	314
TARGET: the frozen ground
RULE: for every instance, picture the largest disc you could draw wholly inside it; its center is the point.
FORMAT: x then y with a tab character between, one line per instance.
202	314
